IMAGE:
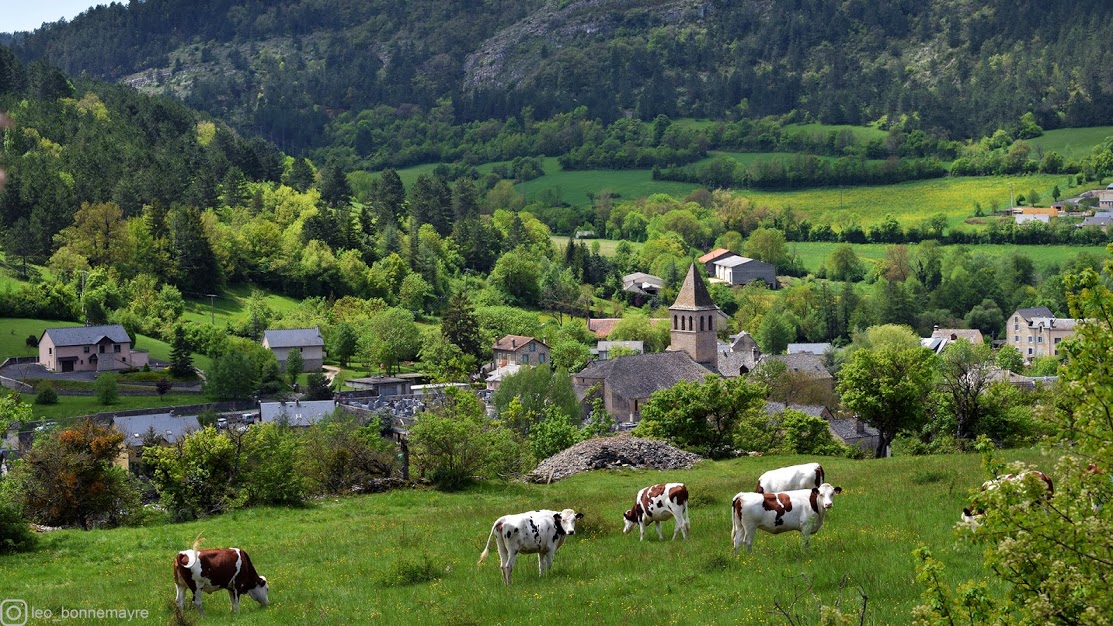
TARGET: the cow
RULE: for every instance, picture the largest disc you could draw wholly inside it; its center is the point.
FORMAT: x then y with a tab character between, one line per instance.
971	514
802	509
541	531
206	571
656	504
790	478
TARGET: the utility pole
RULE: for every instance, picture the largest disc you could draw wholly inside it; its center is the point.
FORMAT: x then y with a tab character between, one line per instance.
212	306
83	314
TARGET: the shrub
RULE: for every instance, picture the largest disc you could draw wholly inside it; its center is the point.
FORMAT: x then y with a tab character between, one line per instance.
338	454
409	571
106	388
15	533
47	395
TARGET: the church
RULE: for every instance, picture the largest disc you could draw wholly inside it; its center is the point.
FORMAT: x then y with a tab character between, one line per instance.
626	383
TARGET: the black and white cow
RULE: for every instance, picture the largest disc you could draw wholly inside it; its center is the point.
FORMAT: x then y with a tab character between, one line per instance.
790	478
972	514
206	571
658	503
801	510
542	532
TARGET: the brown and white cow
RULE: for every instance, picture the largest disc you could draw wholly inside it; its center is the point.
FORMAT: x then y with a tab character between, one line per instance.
206	571
790	478
542	532
973	513
800	510
656	504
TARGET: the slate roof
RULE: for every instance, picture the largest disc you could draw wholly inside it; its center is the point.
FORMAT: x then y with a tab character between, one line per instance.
811	348
1098	221
293	337
299	413
714	254
607	346
641	277
851	429
169	427
639	375
806	362
515	342
86	335
693	294
1038	311
815	410
1058	323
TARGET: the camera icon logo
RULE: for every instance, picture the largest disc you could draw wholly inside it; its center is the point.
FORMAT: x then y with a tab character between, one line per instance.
13	612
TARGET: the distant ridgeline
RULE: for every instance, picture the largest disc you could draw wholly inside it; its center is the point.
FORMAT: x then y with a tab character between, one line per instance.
345	77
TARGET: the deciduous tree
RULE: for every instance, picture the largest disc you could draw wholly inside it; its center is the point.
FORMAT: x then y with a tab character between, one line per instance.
888	389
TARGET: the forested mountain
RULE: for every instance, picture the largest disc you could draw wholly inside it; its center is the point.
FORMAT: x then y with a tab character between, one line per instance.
287	69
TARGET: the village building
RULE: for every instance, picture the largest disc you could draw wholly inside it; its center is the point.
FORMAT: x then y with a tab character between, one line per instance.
382	385
307	341
162	429
296	413
520	350
943	337
602	351
1037	332
88	349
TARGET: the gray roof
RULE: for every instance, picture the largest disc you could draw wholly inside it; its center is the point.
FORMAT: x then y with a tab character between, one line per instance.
1036	311
1104	220
802	362
734	261
87	335
642	277
693	294
812	348
611	345
815	410
298	413
169	427
639	375
293	337
851	429
731	363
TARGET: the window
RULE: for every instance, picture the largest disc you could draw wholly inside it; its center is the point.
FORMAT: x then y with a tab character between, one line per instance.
1057	340
50	350
674	322
1030	339
1016	326
86	349
532	347
541	358
116	348
1016	338
1029	351
525	359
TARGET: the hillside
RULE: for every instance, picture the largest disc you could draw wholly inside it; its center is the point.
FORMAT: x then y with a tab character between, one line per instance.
285	69
410	556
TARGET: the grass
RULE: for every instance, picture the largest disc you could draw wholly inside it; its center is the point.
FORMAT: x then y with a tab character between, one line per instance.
574	186
815	253
231	306
607	247
1072	143
410	556
75	406
862	134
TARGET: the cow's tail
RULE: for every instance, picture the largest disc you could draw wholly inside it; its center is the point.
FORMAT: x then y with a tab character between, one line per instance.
820	476
735	518
198	540
487	548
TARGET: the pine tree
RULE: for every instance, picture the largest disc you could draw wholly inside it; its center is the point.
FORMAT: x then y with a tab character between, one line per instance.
181	361
461	326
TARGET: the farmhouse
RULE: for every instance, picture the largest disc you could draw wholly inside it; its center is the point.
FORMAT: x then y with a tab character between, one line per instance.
307	341
943	337
382	385
152	429
1037	332
642	284
708	260
520	350
88	349
740	270
603	349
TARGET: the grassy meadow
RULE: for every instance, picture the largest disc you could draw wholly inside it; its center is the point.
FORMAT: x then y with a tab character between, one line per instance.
1072	143
409	557
815	253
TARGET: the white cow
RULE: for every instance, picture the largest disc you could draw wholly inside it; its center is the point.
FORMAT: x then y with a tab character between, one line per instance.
541	531
790	478
802	510
656	504
972	514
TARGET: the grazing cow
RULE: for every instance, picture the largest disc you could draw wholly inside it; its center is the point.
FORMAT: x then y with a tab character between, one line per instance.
206	571
973	513
542	532
656	504
802	509
791	478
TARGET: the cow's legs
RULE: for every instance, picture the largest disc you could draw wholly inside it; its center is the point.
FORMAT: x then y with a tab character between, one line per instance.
641	527
544	561
181	596
197	595
508	566
660	537
235	597
749	531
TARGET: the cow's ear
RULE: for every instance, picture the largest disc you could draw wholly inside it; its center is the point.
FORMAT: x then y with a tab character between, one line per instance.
838	489
579	515
556	517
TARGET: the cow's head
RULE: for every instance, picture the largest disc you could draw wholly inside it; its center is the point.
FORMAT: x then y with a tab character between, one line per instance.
259	593
631	518
824	496
566	520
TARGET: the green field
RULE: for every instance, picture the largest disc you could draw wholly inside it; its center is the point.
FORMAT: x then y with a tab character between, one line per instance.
574	186
231	305
409	557
1072	143
813	253
862	134
607	247
75	406
14	333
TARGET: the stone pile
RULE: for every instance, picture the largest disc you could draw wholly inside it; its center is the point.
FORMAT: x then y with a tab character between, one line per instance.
612	453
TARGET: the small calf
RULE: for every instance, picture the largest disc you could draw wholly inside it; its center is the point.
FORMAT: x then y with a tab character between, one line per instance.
656	504
206	571
801	510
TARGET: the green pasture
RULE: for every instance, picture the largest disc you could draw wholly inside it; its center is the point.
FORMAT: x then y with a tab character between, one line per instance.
862	134
230	305
409	557
814	253
1072	143
574	186
607	247
909	202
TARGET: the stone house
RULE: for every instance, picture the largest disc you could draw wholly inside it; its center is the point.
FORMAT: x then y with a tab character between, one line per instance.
1037	332
520	350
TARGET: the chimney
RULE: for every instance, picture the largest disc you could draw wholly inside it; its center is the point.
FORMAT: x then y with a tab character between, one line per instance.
513	342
